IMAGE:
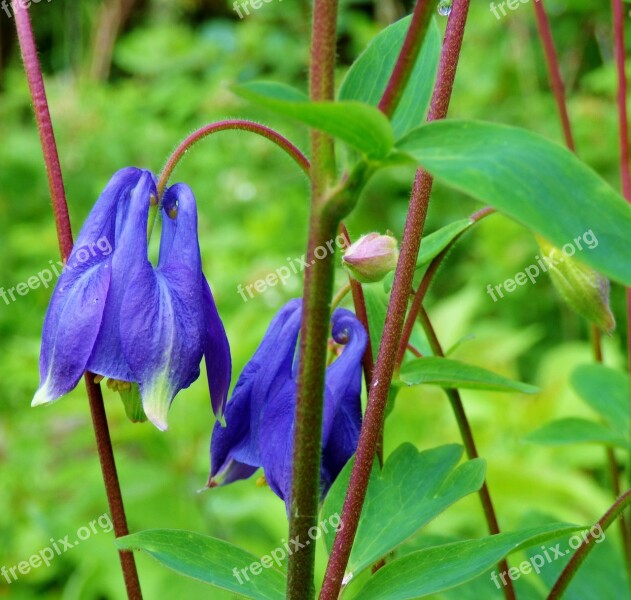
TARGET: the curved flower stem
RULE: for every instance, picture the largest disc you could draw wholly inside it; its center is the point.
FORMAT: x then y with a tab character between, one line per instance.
419	296
469	443
64	236
584	549
421	18
337	299
204	132
554	71
384	367
316	312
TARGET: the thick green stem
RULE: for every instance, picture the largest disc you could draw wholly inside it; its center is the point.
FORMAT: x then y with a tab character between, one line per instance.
585	548
316	309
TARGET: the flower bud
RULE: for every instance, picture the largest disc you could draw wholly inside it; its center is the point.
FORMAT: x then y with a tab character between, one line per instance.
586	291
371	257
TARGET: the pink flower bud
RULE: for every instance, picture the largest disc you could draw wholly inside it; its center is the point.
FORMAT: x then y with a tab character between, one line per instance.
371	257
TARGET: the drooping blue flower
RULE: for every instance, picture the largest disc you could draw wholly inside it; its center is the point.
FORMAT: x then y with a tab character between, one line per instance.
260	416
116	315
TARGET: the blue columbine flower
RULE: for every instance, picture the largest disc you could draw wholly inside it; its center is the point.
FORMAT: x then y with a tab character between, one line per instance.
116	315
260	415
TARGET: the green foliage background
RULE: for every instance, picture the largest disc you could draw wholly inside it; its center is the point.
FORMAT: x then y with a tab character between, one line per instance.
171	71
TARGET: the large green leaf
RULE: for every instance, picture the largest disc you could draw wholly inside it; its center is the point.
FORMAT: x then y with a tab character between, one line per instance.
412	489
540	184
363	127
368	77
433	570
449	373
607	392
210	560
576	431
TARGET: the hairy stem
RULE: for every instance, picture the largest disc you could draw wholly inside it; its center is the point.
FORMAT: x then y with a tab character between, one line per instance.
384	367
554	71
112	485
584	549
202	133
318	290
64	236
45	127
421	18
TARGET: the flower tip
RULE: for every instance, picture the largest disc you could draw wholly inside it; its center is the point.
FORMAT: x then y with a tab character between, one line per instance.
157	417
42	396
161	424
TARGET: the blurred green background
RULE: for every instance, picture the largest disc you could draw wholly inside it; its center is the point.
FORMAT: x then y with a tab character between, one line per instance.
127	80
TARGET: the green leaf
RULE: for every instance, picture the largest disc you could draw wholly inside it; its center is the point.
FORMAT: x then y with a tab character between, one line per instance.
440	568
576	431
433	244
209	560
607	392
413	488
540	184
363	127
449	373
368	76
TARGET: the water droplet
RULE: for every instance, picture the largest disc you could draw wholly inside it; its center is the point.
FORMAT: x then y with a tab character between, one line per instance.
444	7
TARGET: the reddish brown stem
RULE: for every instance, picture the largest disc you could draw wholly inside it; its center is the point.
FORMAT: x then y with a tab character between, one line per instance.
421	18
45	127
554	71
238	124
64	236
384	367
623	119
362	314
112	485
585	548
466	434
618	14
